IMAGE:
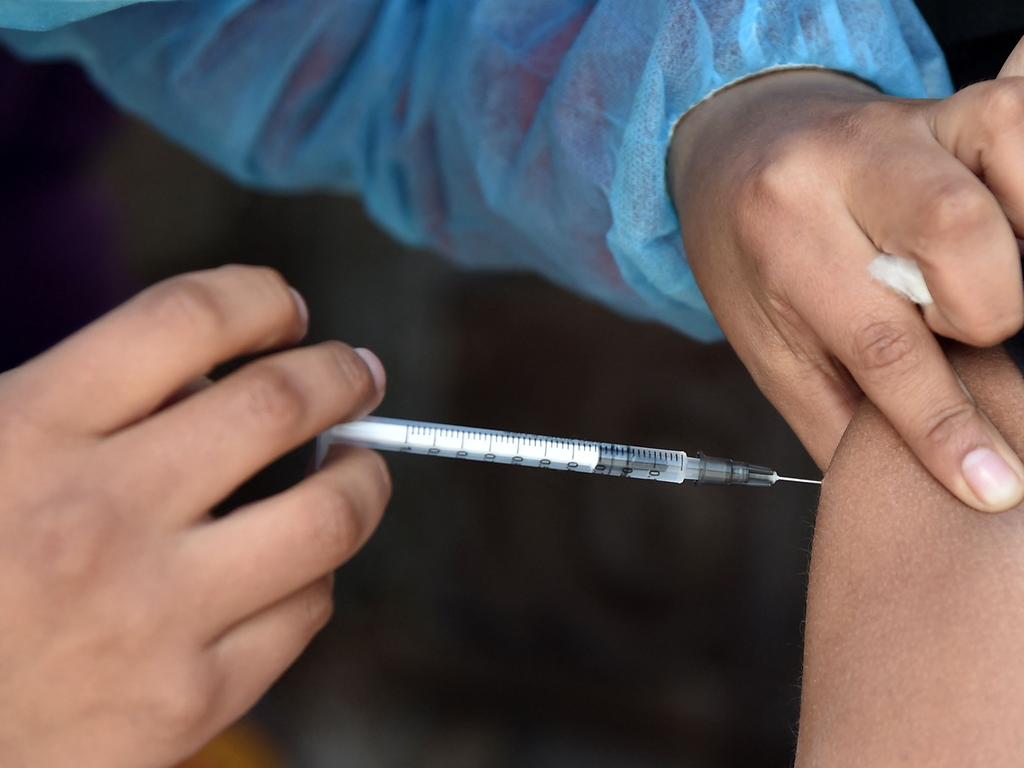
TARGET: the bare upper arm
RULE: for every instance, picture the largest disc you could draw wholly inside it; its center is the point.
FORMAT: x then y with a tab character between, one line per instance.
915	621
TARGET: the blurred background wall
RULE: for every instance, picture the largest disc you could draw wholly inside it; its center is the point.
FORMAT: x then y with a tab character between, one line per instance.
501	616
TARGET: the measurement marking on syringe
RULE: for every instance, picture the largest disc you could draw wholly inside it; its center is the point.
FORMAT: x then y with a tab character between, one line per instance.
608	459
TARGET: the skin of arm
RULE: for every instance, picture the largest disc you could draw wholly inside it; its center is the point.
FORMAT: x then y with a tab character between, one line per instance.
915	619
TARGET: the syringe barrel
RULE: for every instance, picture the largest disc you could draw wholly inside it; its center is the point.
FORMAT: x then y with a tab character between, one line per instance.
716	471
524	450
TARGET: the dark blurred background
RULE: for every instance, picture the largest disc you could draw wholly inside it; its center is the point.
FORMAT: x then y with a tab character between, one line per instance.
501	616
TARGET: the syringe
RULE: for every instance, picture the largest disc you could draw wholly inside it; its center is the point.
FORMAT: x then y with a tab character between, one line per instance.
547	453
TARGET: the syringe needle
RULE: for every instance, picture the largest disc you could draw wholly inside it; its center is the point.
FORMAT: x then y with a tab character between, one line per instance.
799	480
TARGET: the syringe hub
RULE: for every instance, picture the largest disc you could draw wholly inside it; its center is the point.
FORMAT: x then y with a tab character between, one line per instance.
716	471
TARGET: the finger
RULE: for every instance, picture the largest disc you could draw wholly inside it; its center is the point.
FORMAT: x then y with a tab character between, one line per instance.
198	451
901	368
983	126
129	362
1014	66
947	222
898	363
253	655
818	409
815	396
261	553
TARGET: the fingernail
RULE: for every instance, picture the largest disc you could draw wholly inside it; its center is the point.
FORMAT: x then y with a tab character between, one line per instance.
375	365
300	304
991	478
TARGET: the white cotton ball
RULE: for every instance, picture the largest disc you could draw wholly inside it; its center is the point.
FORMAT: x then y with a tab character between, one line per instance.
903	276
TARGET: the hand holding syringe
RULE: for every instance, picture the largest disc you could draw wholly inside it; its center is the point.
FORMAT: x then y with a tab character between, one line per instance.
547	453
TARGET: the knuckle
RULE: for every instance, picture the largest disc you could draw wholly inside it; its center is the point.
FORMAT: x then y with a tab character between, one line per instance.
183	704
378	475
374	475
774	193
274	397
774	180
238	272
383	474
356	379
273	279
268	288
942	424
187	300
334	523
953	208
318	605
250	274
883	346
866	118
1003	106
757	218
755	190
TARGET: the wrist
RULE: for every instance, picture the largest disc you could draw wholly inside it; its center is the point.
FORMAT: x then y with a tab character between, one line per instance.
723	121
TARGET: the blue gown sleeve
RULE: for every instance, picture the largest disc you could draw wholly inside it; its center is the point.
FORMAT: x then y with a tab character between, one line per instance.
504	133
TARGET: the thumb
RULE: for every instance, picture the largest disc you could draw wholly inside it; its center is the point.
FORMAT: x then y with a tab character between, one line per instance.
1014	66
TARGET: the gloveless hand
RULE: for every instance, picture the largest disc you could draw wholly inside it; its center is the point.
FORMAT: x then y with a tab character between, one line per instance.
135	627
790	185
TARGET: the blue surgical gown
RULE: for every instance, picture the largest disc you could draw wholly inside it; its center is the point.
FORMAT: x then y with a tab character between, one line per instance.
504	133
